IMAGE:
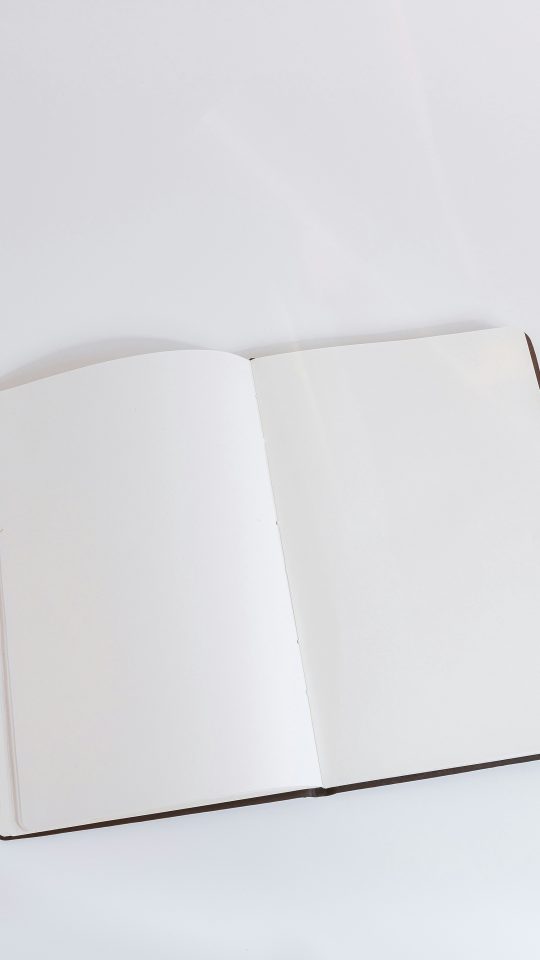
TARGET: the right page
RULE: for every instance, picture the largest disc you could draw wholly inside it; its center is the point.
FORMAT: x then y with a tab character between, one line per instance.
406	477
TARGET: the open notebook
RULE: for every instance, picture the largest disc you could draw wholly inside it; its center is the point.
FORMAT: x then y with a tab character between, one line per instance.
225	580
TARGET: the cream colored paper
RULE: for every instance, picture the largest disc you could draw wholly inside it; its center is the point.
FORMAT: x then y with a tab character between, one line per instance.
153	660
406	477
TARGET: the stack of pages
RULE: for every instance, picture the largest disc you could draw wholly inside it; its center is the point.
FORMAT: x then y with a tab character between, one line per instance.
226	580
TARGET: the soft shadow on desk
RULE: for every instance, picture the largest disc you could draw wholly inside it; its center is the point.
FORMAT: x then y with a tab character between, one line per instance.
98	351
86	354
407	333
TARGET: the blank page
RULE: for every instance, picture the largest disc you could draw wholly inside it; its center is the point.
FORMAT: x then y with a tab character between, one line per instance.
406	477
150	641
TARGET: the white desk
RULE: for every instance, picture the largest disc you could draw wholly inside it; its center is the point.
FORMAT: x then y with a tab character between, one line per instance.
245	176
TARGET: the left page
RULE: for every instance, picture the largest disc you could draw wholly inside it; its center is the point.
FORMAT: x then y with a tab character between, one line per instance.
150	660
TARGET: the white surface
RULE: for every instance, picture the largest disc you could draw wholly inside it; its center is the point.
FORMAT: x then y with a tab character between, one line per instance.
406	478
151	647
243	175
